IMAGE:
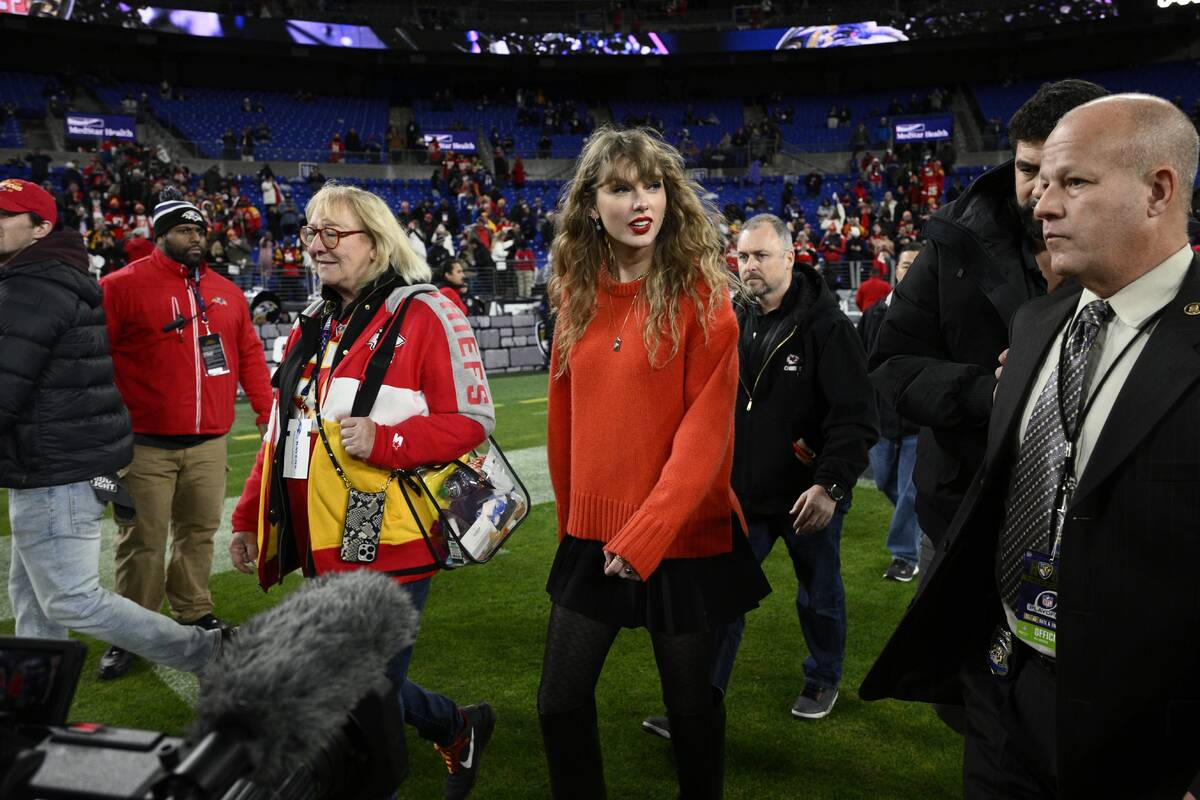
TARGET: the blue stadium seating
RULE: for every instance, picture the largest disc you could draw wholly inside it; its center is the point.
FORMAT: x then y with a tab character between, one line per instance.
24	91
808	129
300	131
1176	79
730	114
1000	101
501	117
10	134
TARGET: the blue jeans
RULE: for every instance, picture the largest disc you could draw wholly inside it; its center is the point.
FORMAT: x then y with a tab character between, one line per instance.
820	598
54	582
892	464
436	717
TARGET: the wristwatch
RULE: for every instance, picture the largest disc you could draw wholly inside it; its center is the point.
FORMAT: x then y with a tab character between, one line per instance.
835	491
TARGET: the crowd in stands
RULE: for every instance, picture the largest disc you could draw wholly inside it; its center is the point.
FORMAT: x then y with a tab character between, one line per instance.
497	225
859	225
484	213
463	214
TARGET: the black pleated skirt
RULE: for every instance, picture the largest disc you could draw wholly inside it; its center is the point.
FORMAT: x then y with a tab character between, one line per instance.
684	595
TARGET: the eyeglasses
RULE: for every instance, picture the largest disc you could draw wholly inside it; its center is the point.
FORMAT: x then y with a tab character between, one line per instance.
330	237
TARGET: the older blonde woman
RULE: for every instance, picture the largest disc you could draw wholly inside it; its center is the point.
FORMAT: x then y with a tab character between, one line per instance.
433	405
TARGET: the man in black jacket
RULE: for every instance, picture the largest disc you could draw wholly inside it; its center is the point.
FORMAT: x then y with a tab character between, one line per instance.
948	323
805	418
64	433
804	421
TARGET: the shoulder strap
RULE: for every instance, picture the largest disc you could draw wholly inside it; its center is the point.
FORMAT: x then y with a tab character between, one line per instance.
372	381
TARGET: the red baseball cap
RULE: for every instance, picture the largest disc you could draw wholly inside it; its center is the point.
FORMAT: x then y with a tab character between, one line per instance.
19	197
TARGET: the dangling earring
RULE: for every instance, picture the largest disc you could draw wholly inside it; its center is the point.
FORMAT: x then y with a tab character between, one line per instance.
598	224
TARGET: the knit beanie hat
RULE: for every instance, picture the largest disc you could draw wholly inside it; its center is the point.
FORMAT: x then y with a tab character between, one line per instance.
173	210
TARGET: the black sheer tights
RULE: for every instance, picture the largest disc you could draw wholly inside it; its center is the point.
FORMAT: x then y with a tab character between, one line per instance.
576	647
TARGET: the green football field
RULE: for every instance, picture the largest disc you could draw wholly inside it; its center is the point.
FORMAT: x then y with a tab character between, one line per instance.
482	637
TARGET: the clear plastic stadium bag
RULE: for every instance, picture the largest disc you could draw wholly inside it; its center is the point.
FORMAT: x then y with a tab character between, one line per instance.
480	501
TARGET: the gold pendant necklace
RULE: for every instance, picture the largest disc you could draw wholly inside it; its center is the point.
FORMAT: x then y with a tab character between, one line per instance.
616	345
617	340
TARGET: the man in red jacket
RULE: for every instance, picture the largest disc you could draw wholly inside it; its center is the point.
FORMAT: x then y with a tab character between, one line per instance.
872	290
181	341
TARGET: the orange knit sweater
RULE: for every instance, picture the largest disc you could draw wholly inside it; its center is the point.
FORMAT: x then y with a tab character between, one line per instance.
640	458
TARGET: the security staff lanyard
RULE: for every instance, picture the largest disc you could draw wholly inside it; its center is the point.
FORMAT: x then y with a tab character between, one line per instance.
212	353
1066	481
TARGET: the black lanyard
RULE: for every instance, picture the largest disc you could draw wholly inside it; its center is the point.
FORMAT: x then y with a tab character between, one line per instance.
194	287
326	335
1066	480
327	327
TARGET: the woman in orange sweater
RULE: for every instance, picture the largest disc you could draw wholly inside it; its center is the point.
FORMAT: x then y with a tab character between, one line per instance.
642	386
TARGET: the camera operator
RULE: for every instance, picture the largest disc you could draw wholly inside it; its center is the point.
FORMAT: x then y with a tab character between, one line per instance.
54	358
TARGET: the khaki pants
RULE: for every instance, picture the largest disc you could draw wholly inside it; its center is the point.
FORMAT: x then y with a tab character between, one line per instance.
183	492
525	282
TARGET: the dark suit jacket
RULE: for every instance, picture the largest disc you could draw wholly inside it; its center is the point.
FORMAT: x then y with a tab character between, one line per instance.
1129	587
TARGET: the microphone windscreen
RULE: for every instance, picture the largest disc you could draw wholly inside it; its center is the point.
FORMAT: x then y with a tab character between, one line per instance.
290	677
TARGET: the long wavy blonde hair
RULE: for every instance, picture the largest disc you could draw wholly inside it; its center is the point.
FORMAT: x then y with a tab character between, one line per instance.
687	251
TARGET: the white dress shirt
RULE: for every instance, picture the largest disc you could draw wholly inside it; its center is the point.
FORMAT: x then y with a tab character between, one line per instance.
1132	307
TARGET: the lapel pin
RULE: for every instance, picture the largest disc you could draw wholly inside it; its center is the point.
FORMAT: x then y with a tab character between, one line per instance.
1192	309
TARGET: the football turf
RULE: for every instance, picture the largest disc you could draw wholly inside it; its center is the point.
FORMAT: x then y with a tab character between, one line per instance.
482	635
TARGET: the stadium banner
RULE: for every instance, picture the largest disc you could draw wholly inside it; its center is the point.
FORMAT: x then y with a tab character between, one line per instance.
95	127
205	24
588	38
451	141
928	128
812	37
209	24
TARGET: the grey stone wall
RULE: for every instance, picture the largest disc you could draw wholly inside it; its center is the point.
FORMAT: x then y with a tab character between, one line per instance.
508	343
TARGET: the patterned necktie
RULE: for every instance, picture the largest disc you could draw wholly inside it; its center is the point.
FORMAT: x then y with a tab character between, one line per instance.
1029	509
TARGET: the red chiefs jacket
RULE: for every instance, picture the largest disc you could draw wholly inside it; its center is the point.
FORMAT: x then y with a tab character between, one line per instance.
161	374
434	405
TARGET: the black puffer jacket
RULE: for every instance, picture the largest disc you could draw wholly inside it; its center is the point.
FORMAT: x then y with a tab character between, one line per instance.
891	424
803	375
947	323
61	417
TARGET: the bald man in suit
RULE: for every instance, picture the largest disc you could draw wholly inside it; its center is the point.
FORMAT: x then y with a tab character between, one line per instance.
1065	594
